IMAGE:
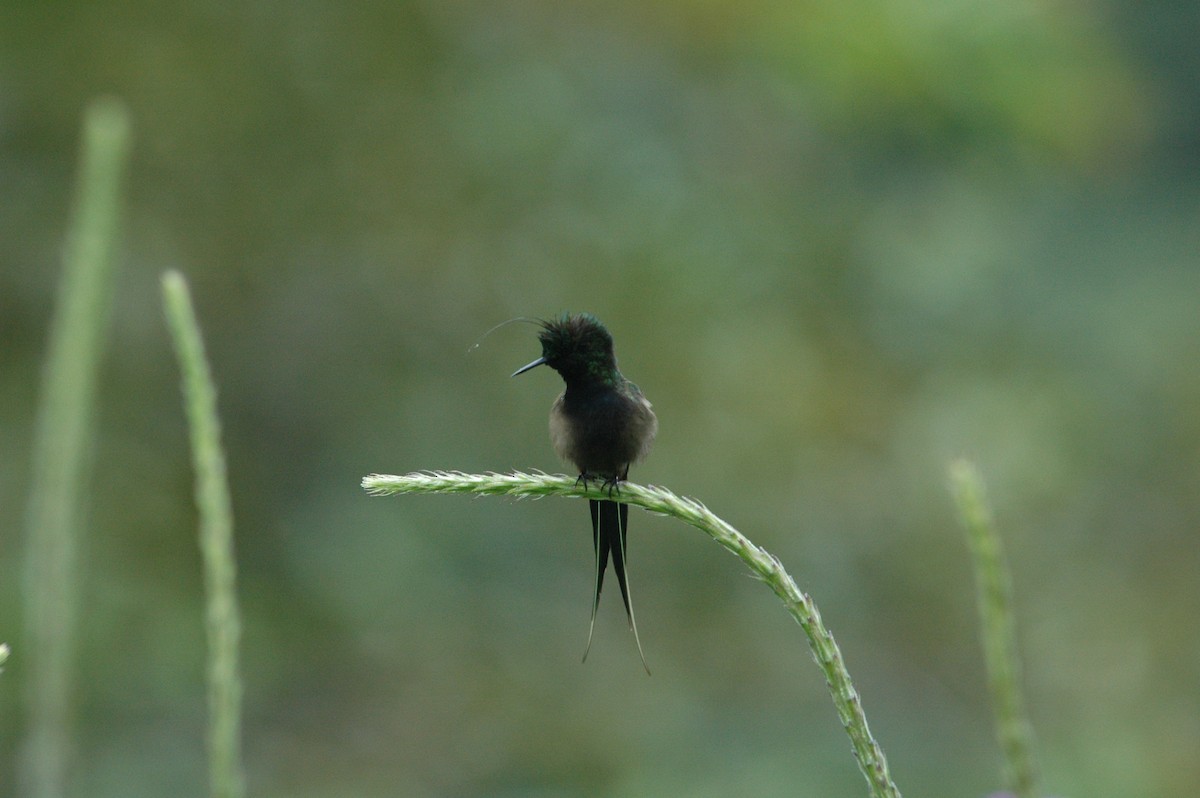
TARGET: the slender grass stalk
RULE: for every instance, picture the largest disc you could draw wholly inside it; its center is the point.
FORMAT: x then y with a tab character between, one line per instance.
216	542
62	439
998	626
764	565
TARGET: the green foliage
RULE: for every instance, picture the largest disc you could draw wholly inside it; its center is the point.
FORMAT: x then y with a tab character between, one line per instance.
998	626
216	542
62	442
764	565
840	244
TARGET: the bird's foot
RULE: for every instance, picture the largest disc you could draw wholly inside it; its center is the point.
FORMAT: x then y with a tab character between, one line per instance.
609	484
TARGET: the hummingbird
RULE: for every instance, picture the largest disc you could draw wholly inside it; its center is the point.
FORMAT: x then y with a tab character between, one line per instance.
601	423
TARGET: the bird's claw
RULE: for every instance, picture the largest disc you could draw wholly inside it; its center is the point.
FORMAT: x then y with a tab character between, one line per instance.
609	484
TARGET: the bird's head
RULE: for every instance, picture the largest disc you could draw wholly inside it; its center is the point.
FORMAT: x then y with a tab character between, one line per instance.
578	347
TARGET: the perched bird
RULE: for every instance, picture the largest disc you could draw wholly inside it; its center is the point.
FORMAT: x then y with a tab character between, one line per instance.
601	423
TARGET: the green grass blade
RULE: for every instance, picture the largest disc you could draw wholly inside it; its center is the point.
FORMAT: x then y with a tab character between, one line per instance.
765	566
216	542
998	630
62	439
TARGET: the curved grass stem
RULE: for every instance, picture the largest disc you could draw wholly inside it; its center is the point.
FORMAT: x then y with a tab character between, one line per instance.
764	565
998	625
54	524
213	502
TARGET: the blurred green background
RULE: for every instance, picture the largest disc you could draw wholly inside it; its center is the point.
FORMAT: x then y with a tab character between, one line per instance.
838	243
